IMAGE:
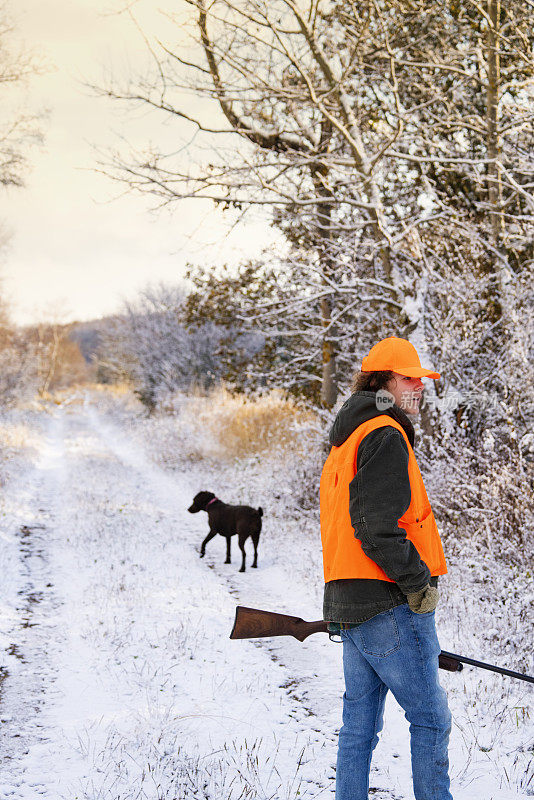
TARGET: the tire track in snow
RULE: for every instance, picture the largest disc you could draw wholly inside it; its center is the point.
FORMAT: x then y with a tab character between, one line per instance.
29	674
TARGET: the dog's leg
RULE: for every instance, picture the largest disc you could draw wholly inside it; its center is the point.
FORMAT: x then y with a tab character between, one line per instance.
242	539
255	540
228	548
208	538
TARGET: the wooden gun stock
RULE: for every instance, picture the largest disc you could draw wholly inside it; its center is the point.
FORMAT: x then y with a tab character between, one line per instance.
252	623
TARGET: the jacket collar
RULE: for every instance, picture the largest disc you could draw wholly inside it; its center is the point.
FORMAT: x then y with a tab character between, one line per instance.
359	408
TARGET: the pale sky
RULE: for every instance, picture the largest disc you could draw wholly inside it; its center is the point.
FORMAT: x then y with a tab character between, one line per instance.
75	251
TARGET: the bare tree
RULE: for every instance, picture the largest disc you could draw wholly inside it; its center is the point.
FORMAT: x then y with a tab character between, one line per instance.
286	86
19	361
60	361
20	128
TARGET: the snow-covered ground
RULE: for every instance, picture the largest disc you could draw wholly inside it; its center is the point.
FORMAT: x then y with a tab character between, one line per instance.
117	676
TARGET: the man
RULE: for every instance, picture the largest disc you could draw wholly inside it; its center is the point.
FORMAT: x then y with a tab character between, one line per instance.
382	557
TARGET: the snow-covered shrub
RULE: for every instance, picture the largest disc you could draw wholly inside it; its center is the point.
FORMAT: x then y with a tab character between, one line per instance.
19	371
150	346
485	496
473	445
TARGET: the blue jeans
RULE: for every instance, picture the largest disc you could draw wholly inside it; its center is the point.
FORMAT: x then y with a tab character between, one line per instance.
395	650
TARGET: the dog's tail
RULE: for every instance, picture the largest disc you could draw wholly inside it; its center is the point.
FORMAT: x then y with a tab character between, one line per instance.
260	511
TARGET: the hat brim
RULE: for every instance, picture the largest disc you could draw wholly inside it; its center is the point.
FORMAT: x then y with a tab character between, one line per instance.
418	372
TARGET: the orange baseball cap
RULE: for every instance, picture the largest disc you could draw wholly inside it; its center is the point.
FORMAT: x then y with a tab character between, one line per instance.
397	355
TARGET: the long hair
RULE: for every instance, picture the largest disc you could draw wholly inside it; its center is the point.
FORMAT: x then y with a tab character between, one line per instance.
371	381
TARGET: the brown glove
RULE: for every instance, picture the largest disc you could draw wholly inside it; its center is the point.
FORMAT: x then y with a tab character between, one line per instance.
423	601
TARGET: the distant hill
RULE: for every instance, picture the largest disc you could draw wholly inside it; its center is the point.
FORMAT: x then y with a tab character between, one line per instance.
88	335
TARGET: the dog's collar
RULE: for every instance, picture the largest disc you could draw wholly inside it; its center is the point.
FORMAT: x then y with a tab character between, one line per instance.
211	501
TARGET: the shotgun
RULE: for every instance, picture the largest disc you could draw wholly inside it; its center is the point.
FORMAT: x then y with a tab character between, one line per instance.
251	623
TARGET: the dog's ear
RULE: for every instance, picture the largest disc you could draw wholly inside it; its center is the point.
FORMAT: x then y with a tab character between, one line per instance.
206	497
201	500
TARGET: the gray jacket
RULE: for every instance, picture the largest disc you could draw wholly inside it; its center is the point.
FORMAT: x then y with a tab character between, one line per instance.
379	495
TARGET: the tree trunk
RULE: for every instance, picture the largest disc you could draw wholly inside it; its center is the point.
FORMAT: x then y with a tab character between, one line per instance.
329	386
320	172
52	356
492	120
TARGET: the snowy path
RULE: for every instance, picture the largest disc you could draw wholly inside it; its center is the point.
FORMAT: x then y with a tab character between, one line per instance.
120	680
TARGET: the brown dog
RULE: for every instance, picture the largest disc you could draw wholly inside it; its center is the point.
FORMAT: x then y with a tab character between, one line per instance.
227	520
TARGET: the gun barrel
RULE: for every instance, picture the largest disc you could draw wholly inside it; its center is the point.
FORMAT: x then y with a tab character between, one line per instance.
491	667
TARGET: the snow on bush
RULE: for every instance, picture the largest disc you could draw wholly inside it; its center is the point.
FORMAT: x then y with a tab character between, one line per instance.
19	372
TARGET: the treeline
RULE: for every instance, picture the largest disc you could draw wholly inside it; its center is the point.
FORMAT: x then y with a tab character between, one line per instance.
162	342
159	343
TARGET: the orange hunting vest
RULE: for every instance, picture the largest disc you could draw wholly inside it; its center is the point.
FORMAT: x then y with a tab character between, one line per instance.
343	556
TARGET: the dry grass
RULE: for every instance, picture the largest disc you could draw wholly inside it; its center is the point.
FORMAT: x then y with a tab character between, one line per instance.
13	436
237	426
78	391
